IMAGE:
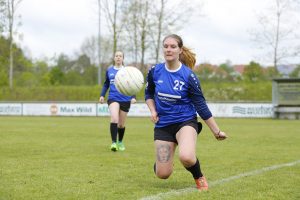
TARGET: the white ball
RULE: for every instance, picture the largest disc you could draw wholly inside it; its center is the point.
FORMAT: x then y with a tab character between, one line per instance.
129	80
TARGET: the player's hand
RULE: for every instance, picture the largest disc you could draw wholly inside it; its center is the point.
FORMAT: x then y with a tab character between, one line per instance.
220	135
101	99
133	100
154	117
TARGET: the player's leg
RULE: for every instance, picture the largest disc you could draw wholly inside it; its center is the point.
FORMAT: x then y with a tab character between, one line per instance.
187	139
124	109
114	119
164	158
121	129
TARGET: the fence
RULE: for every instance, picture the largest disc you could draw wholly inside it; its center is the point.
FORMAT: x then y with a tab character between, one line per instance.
248	110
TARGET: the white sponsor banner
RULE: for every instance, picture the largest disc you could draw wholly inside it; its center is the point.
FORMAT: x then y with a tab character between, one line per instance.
261	110
10	109
76	109
136	110
258	110
139	110
102	110
39	109
59	109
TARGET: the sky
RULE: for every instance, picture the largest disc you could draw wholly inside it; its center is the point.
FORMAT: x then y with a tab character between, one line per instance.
50	27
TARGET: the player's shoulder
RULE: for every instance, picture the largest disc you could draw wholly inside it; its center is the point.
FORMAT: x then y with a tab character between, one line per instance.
110	67
157	66
186	68
188	71
161	64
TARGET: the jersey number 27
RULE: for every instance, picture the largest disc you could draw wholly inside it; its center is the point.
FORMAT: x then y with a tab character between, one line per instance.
178	85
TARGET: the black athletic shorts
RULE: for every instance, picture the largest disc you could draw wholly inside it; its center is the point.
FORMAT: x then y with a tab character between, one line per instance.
124	106
168	133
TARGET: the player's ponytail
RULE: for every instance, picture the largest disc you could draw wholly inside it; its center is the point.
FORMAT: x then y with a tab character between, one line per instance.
187	57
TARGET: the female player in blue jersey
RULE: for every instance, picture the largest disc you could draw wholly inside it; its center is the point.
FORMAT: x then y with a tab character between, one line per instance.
118	104
174	97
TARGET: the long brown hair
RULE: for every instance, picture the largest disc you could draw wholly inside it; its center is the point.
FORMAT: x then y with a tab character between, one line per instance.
187	57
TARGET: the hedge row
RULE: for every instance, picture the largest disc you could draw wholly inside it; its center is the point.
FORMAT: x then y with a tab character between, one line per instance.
223	91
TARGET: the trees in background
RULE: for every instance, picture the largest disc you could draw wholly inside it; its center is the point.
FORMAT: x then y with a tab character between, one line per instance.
63	71
8	49
277	31
137	28
253	72
296	72
114	11
20	62
11	22
4	46
170	16
81	71
2	15
205	71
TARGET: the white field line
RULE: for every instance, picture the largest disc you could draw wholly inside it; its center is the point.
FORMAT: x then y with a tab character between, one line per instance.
218	182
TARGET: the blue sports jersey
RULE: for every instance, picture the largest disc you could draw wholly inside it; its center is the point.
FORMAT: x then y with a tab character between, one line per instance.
114	94
177	94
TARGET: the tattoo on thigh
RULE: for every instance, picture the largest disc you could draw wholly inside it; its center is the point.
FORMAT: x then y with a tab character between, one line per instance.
163	153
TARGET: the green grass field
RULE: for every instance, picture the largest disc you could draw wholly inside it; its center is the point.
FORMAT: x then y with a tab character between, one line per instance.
69	158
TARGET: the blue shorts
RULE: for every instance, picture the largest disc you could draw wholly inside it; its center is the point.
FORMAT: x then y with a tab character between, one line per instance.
168	133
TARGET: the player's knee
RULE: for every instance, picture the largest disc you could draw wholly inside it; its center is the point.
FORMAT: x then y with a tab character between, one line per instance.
162	173
187	159
121	125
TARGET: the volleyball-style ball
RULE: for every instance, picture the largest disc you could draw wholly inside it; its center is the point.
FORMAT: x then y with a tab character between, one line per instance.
129	80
